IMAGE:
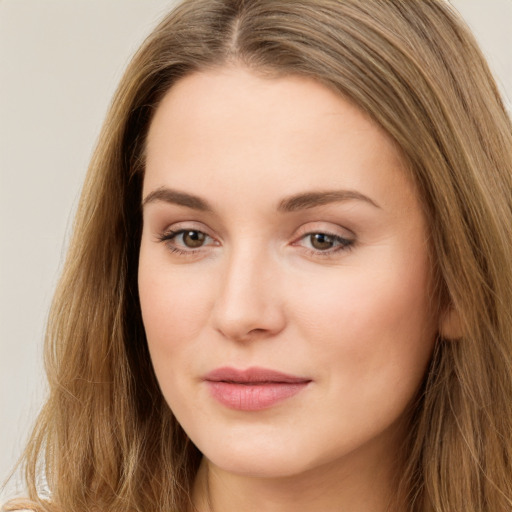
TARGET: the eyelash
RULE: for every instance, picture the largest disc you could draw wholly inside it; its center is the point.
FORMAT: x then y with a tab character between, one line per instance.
344	244
170	235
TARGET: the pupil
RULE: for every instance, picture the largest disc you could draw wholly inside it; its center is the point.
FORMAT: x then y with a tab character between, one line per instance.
193	238
322	241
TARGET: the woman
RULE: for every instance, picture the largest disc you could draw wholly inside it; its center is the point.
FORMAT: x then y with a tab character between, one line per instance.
290	281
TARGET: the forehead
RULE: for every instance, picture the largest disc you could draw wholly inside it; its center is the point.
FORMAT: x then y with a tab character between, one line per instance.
229	126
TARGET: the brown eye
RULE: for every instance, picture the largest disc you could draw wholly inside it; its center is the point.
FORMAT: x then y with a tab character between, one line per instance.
322	241
326	244
193	239
186	241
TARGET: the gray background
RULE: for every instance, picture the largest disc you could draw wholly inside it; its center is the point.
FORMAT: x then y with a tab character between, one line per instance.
60	61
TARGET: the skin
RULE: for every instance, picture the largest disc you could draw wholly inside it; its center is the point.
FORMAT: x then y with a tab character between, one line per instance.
356	318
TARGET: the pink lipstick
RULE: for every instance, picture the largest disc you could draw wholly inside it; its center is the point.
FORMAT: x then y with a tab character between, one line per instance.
252	389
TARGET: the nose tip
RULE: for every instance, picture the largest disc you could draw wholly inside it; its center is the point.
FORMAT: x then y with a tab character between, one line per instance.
248	305
244	315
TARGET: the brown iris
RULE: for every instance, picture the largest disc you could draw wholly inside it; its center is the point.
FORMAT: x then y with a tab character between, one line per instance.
193	239
321	241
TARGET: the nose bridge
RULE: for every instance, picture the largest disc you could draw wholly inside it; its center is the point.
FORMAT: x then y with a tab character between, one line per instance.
248	299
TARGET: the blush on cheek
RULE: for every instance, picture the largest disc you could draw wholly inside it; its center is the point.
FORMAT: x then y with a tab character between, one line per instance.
373	315
174	302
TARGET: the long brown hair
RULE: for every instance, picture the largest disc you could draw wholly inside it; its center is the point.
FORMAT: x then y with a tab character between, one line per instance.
105	439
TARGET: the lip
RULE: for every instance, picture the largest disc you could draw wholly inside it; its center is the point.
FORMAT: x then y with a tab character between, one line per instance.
254	388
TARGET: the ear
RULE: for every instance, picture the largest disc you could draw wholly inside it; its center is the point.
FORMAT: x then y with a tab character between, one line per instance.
450	325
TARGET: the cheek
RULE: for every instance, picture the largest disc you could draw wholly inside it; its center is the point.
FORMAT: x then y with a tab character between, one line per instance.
373	323
372	336
174	309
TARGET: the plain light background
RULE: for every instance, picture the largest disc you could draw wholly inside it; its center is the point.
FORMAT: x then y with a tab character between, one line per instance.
60	61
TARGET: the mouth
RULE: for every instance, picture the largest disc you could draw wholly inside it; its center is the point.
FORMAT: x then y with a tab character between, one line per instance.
253	389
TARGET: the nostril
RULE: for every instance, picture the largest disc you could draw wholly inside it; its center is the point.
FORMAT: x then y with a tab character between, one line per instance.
256	331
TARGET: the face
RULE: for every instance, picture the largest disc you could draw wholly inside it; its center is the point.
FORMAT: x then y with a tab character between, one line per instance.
284	276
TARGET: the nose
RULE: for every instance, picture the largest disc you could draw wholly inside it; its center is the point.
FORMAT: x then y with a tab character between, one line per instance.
249	303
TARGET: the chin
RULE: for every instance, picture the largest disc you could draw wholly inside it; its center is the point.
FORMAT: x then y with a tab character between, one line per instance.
259	466
260	458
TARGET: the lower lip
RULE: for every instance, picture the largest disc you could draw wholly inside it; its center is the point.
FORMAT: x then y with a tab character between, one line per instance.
253	397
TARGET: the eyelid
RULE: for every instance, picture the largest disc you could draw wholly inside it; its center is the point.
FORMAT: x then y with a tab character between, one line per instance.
170	234
330	229
168	237
187	226
344	243
343	239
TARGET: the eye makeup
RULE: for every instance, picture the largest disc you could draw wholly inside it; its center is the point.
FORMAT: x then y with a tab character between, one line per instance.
190	241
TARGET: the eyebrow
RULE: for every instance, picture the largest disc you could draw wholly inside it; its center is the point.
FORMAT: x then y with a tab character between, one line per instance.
168	195
297	202
307	200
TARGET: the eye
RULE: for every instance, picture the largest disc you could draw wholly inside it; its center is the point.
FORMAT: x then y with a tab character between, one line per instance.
322	241
192	239
185	240
325	243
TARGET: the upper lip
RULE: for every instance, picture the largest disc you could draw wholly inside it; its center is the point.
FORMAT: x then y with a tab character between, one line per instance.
252	375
